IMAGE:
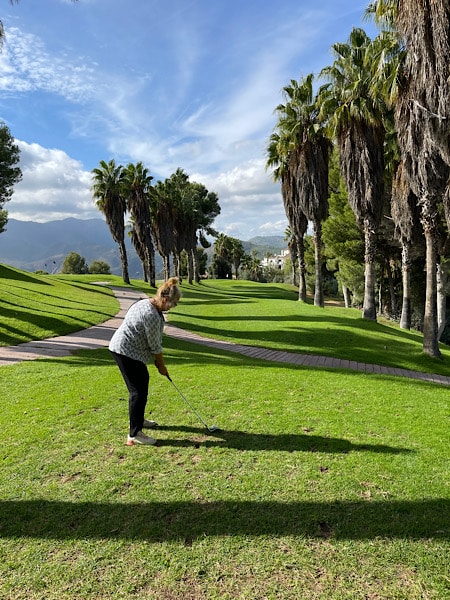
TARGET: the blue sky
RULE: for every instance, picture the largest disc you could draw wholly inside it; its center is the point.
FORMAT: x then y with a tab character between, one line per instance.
173	83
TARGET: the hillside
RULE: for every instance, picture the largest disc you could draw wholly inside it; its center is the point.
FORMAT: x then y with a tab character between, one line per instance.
32	246
273	244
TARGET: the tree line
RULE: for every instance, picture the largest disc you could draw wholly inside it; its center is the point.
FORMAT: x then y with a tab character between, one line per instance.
384	108
172	217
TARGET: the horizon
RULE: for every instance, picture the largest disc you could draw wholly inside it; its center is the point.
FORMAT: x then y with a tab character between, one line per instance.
99	218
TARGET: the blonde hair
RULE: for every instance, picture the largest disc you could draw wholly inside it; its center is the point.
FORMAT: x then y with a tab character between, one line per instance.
169	289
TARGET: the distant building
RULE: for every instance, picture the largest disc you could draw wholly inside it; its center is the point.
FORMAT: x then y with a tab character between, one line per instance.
276	261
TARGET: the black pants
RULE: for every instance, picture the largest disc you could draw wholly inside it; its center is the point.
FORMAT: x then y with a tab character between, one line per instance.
136	377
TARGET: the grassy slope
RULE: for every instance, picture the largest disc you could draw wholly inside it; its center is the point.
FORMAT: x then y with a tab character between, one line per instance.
270	316
39	306
321	485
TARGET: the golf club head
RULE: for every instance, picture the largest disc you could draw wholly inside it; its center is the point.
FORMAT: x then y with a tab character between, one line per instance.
213	428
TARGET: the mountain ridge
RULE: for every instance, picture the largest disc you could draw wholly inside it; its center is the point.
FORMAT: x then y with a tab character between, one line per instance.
33	246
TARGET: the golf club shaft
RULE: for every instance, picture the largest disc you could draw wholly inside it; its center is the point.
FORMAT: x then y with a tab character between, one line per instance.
187	402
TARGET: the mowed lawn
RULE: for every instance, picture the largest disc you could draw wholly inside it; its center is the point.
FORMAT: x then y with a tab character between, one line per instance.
320	484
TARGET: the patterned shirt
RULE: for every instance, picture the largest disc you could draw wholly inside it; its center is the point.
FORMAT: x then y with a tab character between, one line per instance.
140	334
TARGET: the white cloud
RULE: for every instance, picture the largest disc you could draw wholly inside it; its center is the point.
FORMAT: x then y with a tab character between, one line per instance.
27	66
54	186
251	202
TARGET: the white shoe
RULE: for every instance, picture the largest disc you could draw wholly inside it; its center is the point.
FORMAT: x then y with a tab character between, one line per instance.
140	438
149	424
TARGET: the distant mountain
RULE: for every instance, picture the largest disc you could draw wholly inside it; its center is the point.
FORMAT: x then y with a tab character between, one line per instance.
44	246
273	244
32	246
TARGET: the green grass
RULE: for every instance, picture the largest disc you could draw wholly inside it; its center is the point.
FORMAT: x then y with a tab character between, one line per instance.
320	485
39	306
270	316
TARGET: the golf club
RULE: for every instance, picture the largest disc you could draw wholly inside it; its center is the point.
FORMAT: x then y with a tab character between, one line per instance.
213	427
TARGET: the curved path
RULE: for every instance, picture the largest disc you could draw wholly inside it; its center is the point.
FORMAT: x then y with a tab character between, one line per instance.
99	335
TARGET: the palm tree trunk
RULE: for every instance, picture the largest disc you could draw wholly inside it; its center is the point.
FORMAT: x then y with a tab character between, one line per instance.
190	267
430	328
195	265
144	234
369	307
318	288
177	265
124	262
347	298
301	270
392	295
151	266
166	265
145	269
405	319
442	278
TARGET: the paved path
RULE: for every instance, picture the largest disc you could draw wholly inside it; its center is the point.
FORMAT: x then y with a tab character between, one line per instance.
99	336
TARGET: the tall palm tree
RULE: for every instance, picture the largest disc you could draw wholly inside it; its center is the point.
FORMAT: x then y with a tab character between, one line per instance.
107	189
163	224
193	210
137	183
223	247
176	191
308	150
205	209
237	253
423	123
355	118
405	214
141	254
278	158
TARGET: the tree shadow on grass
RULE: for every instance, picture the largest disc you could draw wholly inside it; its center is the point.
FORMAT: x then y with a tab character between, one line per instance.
288	442
186	521
17	275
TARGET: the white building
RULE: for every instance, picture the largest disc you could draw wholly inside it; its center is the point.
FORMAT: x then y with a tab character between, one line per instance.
276	261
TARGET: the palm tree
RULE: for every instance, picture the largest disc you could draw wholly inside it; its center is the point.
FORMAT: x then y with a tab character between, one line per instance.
355	118
137	190
223	247
383	12
138	247
108	196
278	158
193	210
422	116
308	153
405	214
423	122
176	191
293	251
252	264
163	224
201	207
237	253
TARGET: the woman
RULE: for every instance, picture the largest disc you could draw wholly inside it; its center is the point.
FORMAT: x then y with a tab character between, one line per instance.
134	344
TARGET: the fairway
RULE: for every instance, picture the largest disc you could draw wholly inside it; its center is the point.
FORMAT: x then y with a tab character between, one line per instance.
325	484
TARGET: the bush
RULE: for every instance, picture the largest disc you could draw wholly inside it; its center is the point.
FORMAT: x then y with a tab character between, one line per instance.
100	267
74	264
